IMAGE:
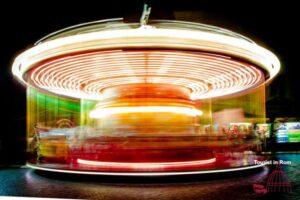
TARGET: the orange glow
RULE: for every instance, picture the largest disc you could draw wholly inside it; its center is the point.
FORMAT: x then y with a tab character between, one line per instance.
104	112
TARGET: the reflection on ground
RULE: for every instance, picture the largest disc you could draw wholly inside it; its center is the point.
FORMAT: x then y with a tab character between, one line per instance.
26	182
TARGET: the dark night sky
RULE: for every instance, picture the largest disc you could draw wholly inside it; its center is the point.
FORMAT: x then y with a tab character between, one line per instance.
271	24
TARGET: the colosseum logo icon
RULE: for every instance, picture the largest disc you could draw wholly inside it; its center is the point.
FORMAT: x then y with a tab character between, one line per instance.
276	182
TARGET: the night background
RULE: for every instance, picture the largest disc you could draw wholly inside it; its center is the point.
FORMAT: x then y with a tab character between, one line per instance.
273	25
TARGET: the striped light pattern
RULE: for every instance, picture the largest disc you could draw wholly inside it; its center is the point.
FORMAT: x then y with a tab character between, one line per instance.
104	112
87	74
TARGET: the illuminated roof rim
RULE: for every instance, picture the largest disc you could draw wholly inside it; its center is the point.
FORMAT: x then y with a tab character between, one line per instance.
223	44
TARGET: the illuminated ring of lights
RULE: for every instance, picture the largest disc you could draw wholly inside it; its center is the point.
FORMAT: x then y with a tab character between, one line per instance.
209	64
88	74
145	173
144	165
103	112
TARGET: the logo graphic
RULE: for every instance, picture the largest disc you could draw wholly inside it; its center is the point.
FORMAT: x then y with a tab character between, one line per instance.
276	182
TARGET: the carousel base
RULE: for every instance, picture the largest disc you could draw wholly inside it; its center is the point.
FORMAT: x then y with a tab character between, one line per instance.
173	173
